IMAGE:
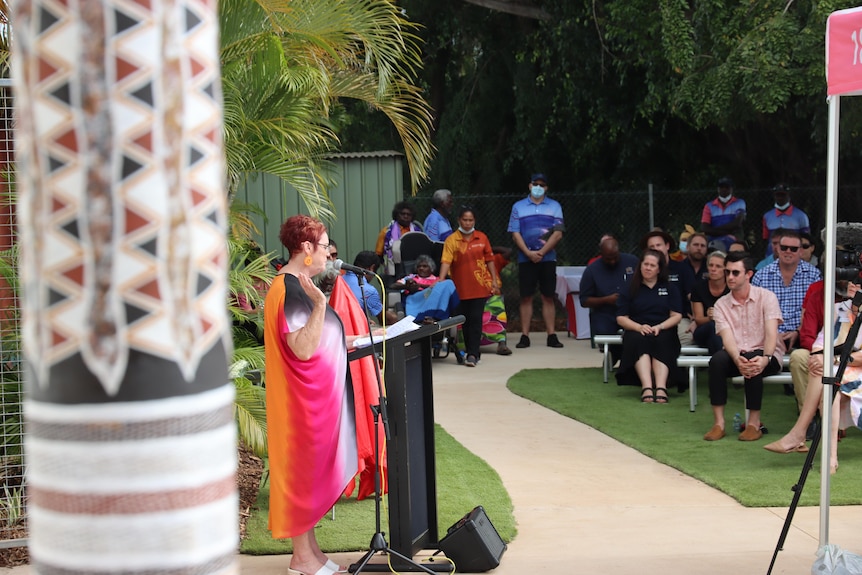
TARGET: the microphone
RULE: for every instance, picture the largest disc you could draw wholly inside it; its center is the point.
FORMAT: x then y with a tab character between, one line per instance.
340	265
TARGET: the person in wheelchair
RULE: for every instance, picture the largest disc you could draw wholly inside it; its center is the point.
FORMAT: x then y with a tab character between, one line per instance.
427	298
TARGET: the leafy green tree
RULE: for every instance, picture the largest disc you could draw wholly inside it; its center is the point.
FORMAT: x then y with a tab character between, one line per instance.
286	64
620	93
287	68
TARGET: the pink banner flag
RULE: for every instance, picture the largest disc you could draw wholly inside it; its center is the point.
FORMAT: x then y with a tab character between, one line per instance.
844	52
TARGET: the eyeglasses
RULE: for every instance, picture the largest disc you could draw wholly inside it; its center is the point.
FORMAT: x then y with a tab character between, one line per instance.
325	246
333	255
806	246
785	248
734	273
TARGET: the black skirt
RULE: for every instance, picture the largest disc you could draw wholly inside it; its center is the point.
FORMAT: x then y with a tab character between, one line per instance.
664	347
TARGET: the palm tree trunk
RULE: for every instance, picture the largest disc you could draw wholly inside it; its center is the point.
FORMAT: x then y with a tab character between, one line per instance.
130	434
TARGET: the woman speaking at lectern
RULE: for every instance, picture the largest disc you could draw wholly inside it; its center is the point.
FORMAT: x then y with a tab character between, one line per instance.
310	416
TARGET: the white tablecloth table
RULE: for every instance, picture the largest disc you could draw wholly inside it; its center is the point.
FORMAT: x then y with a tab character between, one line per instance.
569	286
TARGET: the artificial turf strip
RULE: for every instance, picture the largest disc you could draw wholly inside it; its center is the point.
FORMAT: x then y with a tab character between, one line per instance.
671	434
463	482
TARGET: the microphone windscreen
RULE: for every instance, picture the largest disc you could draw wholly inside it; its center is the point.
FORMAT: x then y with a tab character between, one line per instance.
846	234
337	264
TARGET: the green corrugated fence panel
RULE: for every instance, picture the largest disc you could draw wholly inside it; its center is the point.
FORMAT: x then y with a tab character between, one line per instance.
366	187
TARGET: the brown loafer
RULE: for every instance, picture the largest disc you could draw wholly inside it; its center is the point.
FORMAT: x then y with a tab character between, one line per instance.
714	434
750	433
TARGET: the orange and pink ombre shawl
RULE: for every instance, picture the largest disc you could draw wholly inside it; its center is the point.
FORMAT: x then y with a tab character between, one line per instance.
310	415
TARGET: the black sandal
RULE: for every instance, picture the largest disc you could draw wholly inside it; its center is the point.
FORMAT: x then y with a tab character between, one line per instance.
647	395
661	398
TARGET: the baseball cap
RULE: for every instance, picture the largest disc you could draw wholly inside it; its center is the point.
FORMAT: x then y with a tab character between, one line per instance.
539	176
725	183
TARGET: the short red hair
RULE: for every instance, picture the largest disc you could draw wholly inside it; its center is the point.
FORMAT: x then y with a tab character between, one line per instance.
298	229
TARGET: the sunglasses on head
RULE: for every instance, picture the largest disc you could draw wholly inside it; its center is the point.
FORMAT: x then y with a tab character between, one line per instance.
734	273
785	248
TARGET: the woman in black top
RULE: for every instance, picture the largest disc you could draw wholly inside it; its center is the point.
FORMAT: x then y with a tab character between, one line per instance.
649	312
703	297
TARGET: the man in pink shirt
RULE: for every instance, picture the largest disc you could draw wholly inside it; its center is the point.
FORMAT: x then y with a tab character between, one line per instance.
747	320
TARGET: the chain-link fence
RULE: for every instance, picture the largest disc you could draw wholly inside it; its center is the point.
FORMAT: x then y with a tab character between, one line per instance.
629	215
13	517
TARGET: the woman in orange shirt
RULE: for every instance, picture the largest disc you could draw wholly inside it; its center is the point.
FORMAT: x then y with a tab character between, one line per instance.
467	257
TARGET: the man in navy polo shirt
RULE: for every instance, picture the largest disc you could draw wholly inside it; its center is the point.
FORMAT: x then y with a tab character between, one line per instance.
601	285
536	224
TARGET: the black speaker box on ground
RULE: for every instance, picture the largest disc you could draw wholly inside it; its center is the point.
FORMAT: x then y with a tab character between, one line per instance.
473	544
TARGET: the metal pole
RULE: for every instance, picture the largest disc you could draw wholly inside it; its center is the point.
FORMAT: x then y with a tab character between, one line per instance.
829	315
651	210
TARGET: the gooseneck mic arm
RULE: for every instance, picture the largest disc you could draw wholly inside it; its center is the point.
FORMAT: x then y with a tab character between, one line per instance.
340	265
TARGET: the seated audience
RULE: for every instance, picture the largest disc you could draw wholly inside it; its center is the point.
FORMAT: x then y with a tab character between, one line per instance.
601	284
773	255
678	275
649	311
427	299
695	259
703	298
372	304
808	249
788	278
747	321
737	246
403	216
809	364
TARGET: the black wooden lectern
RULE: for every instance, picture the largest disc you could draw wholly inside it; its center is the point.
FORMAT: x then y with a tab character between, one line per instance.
410	448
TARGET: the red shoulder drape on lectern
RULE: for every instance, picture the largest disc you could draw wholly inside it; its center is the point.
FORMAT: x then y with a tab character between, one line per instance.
365	391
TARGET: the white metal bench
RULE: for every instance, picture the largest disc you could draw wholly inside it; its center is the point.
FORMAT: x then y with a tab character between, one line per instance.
617	339
606	340
692	363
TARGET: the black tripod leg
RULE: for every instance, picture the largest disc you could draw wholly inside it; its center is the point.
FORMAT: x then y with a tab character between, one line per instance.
797	494
407	565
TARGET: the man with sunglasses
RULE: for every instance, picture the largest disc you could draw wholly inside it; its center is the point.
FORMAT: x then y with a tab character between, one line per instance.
789	279
747	320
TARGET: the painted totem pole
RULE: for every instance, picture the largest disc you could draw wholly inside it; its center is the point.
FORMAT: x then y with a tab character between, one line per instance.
130	443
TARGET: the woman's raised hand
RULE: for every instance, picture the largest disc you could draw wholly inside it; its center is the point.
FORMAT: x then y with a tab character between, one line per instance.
311	290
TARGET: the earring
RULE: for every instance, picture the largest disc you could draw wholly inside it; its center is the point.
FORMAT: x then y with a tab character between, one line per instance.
307	261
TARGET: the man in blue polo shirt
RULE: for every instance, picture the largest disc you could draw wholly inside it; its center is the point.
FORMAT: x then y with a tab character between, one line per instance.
722	218
783	215
437	226
536	224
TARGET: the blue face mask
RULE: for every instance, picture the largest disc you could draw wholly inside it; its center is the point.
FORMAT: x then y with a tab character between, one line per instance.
537	191
683	245
783	206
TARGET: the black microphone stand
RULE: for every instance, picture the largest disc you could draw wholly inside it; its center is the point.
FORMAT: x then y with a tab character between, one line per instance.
834	381
378	540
